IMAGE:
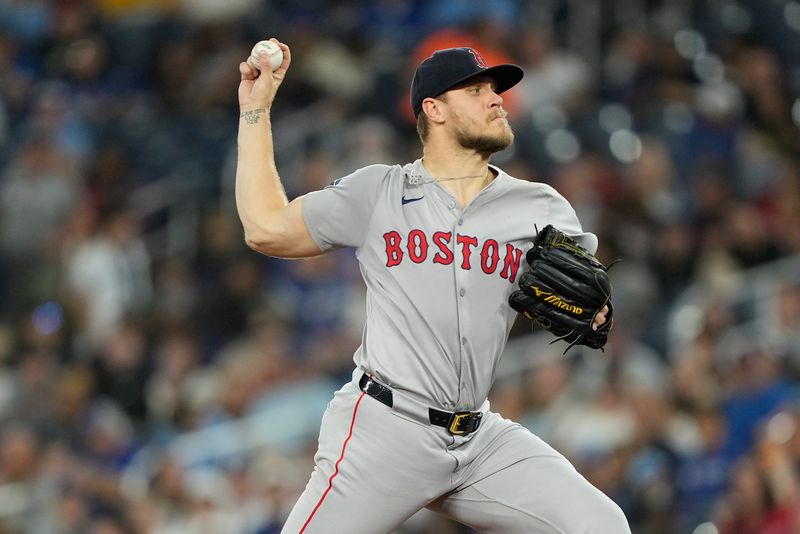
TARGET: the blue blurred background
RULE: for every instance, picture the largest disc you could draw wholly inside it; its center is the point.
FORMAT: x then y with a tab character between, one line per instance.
157	376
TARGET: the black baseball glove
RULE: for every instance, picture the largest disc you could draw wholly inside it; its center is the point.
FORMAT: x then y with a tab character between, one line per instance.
564	289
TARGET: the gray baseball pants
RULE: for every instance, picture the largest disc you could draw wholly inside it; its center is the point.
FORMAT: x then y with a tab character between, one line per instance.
376	467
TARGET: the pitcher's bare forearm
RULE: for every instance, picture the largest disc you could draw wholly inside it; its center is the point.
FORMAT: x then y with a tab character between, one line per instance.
259	192
272	225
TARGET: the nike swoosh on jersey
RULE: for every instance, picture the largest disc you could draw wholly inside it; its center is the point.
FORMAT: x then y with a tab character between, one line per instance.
407	200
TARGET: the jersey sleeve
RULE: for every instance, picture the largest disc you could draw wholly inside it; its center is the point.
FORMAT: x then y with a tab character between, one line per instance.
338	215
564	218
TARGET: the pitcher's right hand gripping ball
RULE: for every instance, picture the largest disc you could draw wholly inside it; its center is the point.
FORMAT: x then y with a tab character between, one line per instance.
257	88
564	290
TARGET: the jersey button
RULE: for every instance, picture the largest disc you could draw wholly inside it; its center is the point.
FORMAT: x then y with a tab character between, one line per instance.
460	222
462	291
452	204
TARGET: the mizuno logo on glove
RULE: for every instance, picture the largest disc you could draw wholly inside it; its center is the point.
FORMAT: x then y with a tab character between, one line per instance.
557	301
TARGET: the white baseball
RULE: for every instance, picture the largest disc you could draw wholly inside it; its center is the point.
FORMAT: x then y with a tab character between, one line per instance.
273	51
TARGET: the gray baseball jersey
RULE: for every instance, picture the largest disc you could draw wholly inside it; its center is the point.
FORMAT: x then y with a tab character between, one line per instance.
438	277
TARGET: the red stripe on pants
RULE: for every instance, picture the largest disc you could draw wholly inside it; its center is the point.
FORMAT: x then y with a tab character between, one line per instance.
336	469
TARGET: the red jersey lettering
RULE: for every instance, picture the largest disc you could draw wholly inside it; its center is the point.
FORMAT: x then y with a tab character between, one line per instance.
442	241
394	254
466	242
490	256
417	246
511	263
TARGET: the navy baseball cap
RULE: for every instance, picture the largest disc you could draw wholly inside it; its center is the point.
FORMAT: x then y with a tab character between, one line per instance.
451	66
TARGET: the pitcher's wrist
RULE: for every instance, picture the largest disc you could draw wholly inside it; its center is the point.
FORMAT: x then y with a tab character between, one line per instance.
254	116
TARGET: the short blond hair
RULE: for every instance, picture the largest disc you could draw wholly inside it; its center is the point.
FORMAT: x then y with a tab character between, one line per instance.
423	126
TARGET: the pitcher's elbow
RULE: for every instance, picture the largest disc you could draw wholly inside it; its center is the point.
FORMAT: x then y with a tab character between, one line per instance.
260	242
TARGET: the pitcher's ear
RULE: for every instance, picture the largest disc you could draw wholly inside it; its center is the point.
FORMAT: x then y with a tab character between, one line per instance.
432	108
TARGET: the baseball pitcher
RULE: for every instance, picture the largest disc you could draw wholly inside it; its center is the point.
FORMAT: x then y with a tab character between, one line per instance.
450	248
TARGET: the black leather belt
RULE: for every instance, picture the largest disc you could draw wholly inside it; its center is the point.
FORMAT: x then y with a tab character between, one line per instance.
457	423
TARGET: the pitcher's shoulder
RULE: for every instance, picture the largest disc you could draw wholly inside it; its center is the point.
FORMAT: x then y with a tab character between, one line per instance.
530	187
368	172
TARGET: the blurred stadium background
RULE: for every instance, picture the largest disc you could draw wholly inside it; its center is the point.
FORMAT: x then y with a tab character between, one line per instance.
157	376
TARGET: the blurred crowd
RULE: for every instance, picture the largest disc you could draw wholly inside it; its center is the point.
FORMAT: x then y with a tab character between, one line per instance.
157	376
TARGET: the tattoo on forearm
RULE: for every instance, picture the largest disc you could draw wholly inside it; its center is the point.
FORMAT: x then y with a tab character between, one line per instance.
252	116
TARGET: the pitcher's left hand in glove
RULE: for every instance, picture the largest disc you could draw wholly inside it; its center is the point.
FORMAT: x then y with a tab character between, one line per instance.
565	289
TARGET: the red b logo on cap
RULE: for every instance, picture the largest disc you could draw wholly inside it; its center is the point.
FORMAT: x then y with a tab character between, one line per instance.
478	59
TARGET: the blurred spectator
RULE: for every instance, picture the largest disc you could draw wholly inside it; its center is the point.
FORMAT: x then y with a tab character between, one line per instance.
108	275
39	189
554	77
763	495
22	494
754	387
781	326
121	368
703	473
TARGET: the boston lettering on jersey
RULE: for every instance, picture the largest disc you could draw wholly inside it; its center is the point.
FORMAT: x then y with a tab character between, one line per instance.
418	247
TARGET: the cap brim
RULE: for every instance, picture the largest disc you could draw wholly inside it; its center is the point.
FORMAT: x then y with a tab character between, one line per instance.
507	75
